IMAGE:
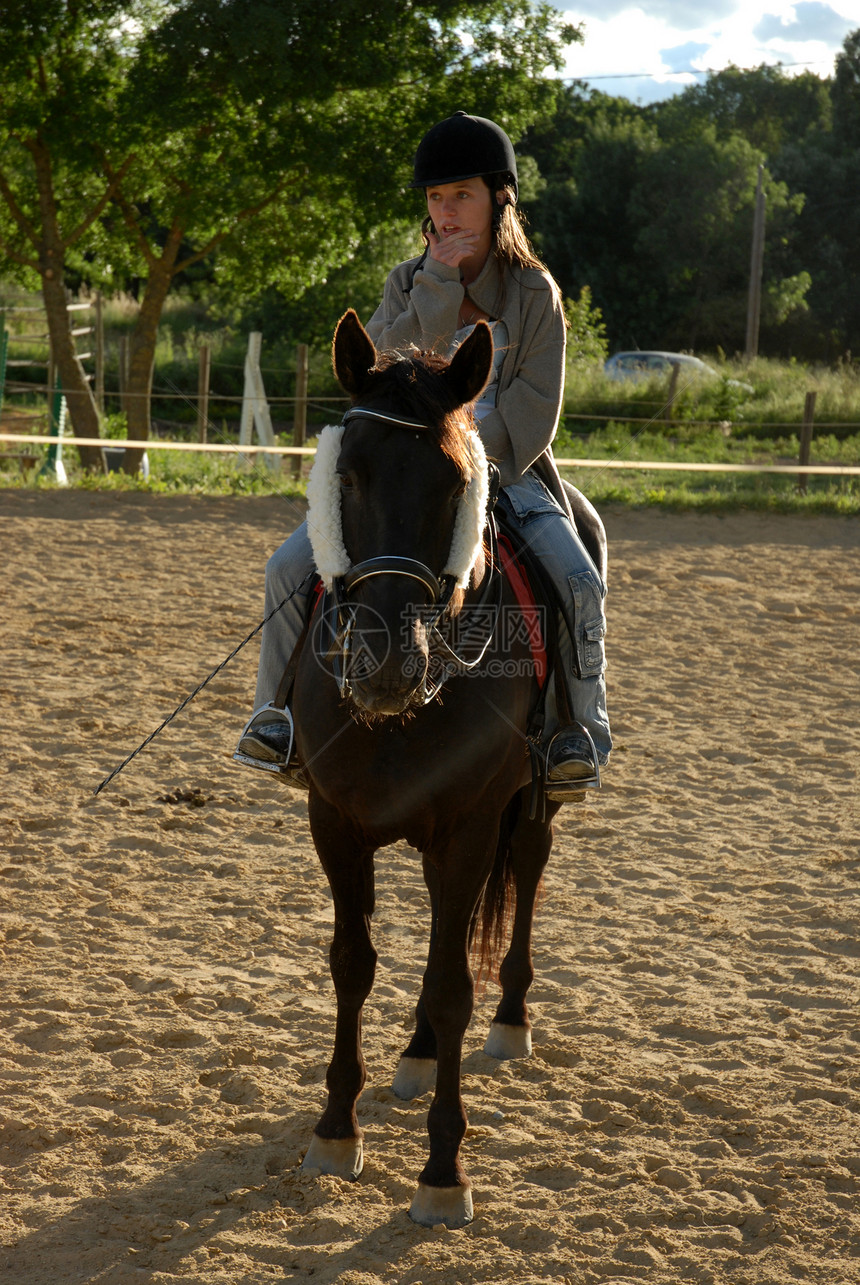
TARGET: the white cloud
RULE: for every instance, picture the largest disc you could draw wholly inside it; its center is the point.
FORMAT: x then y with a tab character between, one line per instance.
811	20
639	50
674	12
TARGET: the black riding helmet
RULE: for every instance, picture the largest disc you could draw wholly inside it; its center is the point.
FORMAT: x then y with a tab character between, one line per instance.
461	147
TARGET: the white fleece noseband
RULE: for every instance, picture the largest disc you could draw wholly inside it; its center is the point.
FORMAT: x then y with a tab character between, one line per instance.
324	514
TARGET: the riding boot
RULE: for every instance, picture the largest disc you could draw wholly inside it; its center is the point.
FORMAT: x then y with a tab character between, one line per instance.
570	765
267	742
571	760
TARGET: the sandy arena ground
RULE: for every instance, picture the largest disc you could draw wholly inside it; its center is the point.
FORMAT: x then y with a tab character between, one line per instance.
690	1113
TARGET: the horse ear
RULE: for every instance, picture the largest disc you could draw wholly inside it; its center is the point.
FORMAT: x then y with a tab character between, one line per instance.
471	365
352	353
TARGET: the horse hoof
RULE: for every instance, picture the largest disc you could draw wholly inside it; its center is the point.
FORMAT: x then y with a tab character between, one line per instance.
342	1157
449	1205
505	1042
414	1076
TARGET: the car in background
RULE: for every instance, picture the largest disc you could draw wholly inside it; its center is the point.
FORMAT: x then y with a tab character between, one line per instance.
638	366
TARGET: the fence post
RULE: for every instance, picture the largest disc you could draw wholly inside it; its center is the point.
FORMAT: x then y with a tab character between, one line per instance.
673	388
255	408
203	391
100	353
122	374
53	466
806	438
300	418
756	265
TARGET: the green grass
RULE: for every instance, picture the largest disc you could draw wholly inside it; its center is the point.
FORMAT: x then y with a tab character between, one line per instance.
189	474
754	420
706	490
764	398
683	492
171	473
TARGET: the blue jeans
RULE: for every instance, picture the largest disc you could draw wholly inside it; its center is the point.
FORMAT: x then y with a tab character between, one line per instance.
548	531
286	568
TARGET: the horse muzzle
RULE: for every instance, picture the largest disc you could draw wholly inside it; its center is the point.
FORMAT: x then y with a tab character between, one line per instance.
391	684
384	664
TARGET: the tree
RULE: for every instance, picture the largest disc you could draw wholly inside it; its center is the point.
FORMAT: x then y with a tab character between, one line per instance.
825	166
62	64
659	223
765	105
272	133
845	93
586	339
584	225
693	205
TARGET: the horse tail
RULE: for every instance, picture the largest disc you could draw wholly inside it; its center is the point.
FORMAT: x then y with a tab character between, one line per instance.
493	915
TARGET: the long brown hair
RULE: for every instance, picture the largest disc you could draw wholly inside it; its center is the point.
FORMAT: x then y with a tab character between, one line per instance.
511	243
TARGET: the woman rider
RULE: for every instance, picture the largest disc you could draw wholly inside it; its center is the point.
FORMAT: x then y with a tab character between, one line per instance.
477	264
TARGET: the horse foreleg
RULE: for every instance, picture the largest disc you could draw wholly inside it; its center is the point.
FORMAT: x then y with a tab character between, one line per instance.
510	1033
444	1192
336	1146
416	1070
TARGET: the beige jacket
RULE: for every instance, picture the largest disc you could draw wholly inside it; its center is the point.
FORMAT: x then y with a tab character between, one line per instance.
518	433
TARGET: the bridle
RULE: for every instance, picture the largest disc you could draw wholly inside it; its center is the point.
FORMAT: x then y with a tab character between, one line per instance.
439	590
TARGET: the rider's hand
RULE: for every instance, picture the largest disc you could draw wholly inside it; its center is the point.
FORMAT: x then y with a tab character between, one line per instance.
452	250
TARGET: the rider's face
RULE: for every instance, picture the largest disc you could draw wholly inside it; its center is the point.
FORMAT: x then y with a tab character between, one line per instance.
461	207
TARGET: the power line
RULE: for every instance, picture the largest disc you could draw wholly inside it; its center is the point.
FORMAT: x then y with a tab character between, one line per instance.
691	71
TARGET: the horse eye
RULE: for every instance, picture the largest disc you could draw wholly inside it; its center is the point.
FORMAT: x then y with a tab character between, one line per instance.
346	482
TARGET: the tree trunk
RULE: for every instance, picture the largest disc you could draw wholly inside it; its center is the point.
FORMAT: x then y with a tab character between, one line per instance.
83	412
142	348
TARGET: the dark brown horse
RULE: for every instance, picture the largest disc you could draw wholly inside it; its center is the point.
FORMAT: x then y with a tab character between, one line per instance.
385	761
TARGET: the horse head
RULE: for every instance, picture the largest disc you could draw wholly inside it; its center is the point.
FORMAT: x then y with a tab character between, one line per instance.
404	481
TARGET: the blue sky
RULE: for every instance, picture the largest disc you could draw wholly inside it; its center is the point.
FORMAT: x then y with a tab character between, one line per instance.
651	50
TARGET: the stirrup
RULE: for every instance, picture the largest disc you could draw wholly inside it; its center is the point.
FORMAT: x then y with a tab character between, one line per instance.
572	789
269	713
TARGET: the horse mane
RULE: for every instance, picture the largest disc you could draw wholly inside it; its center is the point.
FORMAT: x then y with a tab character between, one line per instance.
413	383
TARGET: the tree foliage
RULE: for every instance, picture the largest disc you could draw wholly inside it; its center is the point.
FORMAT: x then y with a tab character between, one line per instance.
145	137
63	64
763	105
652	207
264	146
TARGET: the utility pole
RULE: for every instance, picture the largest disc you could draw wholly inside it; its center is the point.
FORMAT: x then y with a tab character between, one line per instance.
756	263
